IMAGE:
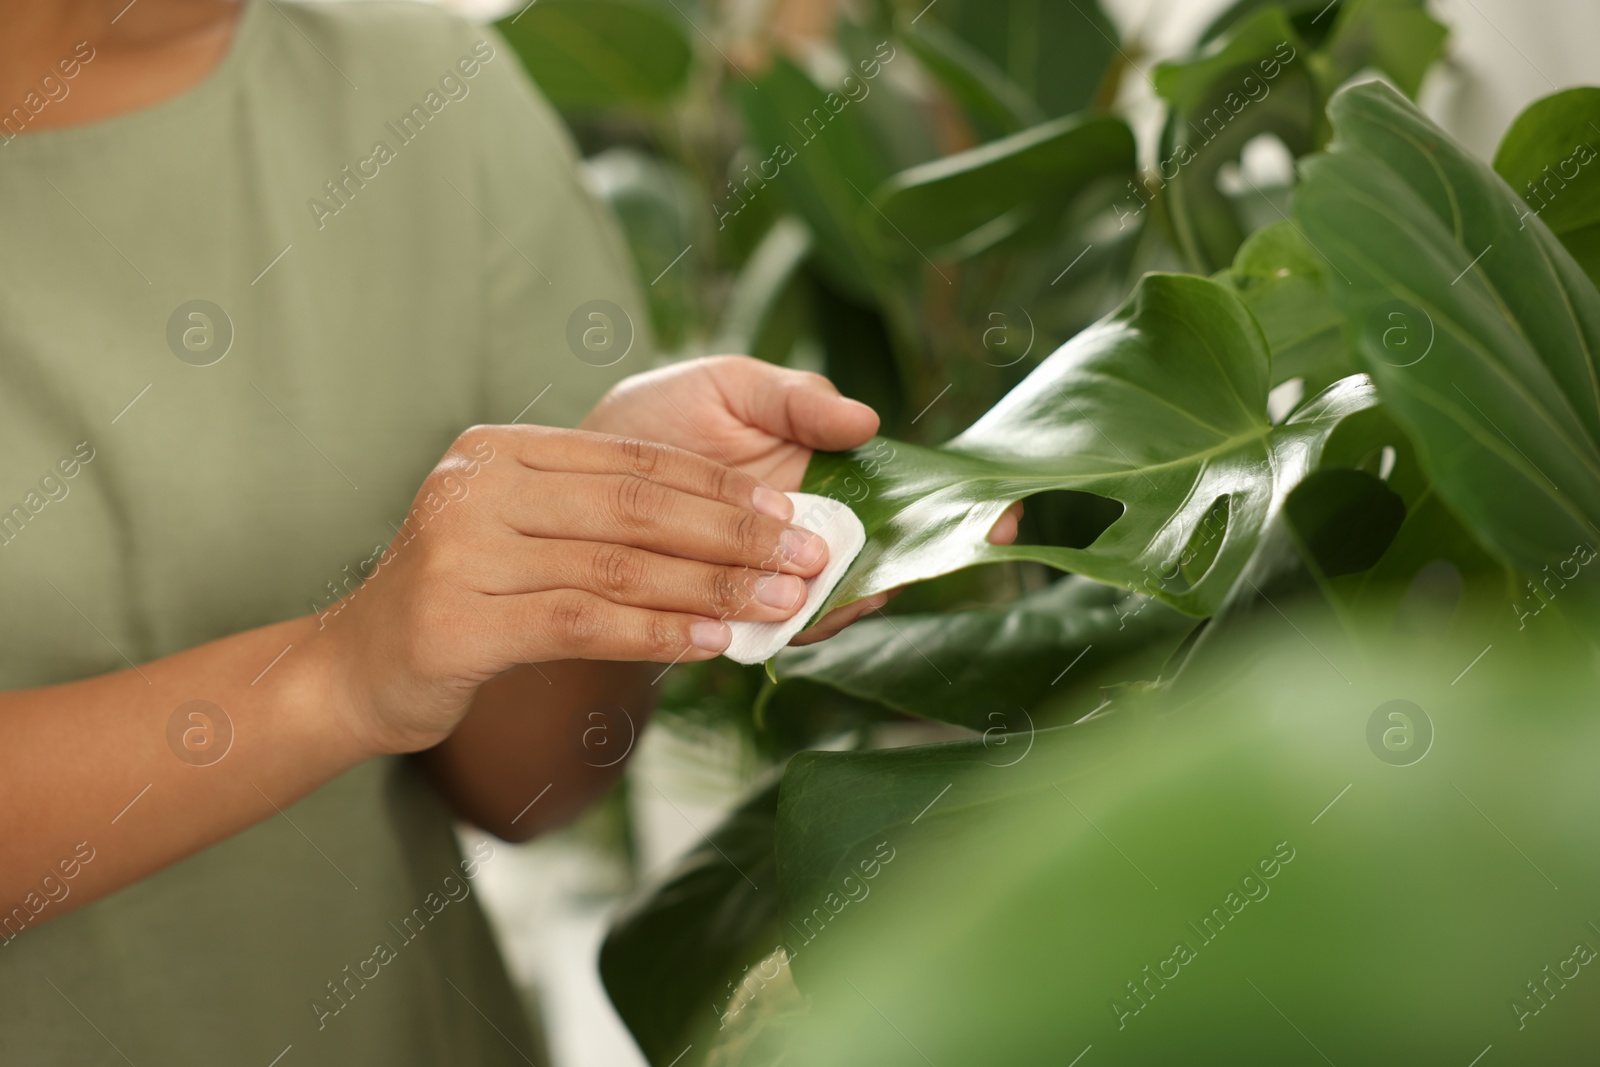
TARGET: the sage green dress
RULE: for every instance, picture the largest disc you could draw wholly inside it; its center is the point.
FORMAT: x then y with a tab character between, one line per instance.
389	237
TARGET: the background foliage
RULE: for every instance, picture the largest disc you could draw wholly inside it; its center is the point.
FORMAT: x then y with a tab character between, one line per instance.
1363	403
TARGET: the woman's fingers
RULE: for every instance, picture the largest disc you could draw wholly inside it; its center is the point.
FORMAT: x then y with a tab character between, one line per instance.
792	405
581	452
641	513
1005	527
835	621
642	579
573	624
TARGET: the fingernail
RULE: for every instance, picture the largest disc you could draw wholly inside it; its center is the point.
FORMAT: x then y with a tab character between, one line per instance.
801	548
711	635
773	503
780	590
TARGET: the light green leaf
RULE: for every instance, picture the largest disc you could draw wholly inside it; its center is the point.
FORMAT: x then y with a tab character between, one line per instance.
1162	406
993	668
1551	157
1284	283
1480	331
965	203
1397	37
1308	877
595	54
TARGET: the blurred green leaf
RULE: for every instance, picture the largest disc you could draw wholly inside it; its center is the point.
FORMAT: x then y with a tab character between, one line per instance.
1161	406
660	214
1337	900
992	102
1312	19
965	203
1547	156
1057	52
595	54
672	952
754	322
1397	37
1284	283
813	146
1253	81
992	668
1480	332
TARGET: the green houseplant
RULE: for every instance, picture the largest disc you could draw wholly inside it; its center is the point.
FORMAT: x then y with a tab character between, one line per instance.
1357	451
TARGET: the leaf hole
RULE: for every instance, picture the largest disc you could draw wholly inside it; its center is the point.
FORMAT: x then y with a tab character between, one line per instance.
1068	518
1204	544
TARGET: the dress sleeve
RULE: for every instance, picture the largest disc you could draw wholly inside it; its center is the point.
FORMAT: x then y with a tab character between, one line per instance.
566	318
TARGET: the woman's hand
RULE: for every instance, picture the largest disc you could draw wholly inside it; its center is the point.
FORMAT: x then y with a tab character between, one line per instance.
761	419
527	545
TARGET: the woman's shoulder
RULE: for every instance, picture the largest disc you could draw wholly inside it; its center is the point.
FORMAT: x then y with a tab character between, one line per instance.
381	37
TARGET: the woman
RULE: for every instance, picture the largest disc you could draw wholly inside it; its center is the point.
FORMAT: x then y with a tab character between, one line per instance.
262	266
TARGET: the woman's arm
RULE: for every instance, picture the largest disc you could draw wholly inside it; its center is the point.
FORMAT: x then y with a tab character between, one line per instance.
542	744
568	545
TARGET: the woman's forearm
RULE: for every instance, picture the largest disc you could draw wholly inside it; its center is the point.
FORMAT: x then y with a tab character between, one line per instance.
107	780
541	744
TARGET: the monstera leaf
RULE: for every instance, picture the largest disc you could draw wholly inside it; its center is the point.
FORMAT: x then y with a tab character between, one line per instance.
1549	157
1477	325
1161	406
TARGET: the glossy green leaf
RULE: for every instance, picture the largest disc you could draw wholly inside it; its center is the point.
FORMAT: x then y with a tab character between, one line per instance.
1057	52
1480	330
1161	406
815	150
595	54
1284	283
1551	157
965	203
993	103
671	952
995	668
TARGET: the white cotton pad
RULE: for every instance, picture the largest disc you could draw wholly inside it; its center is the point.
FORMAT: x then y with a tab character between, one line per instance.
835	523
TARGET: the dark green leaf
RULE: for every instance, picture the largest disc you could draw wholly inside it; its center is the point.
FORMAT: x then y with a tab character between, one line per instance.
660	213
591	54
1161	406
996	667
753	321
1480	331
965	203
1057	52
1548	156
993	103
671	952
814	147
